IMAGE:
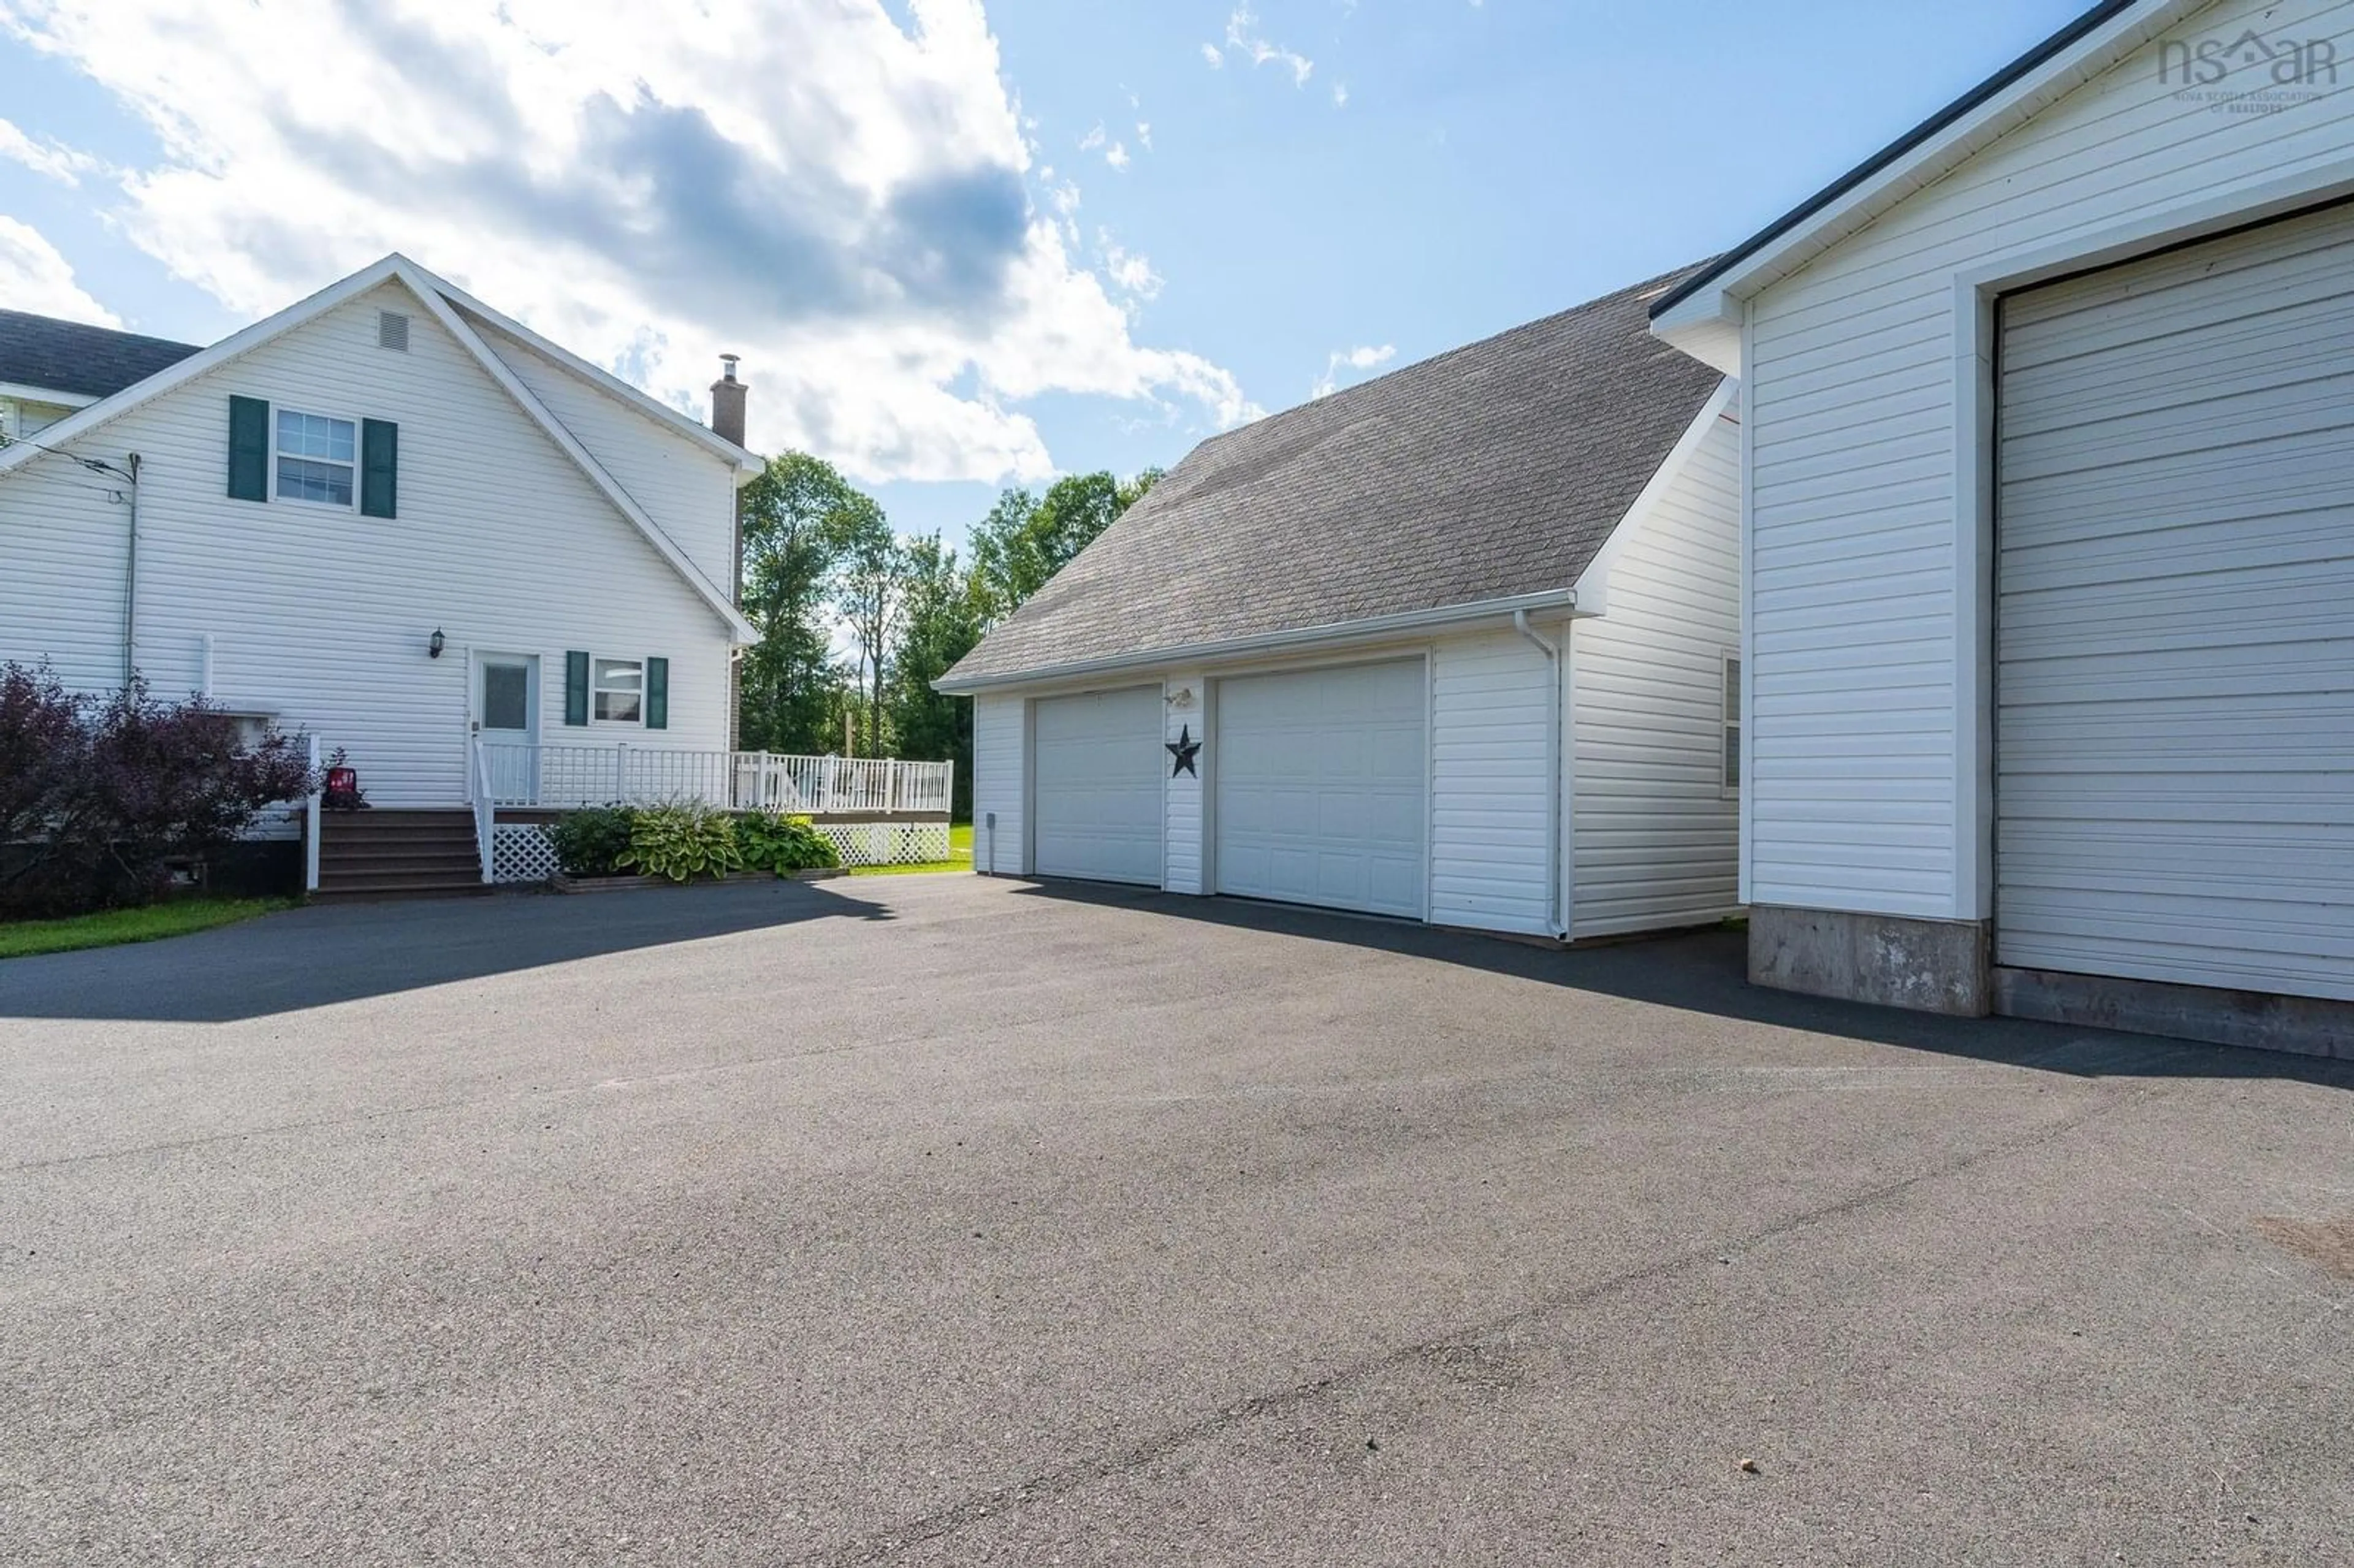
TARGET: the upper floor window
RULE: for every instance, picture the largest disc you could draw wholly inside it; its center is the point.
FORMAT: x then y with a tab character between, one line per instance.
317	458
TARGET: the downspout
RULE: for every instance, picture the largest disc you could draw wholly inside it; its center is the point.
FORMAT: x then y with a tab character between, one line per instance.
130	581
1553	773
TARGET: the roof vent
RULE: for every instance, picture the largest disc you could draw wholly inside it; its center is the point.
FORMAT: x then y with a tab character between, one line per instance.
392	331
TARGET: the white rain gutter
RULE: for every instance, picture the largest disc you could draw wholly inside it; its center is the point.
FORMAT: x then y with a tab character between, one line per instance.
1553	772
1369	629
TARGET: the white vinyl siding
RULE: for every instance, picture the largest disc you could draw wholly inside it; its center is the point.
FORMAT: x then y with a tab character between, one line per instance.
1656	833
1096	788
688	493
1321	779
27	416
1491	777
1000	787
323	616
2175	728
1187	805
1864	658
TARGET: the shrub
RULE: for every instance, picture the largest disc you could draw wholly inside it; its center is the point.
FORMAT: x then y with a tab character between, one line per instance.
682	840
770	841
99	796
592	843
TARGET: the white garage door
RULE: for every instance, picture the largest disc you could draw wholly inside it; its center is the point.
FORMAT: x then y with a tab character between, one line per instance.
1096	762
2175	682
1320	780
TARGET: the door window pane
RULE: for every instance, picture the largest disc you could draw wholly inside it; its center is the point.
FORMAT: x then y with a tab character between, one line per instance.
506	696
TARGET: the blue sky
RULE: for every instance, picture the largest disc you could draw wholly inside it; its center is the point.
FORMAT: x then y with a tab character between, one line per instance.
959	247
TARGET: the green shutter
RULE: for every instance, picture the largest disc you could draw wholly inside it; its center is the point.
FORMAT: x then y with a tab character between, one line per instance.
575	688
248	450
380	465
657	694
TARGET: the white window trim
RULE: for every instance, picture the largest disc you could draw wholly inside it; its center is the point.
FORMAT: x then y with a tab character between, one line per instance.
276	495
595	659
1729	673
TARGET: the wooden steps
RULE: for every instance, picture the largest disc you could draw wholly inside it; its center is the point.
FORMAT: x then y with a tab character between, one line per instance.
398	853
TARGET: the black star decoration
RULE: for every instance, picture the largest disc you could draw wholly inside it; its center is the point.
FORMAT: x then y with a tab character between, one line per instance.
1184	748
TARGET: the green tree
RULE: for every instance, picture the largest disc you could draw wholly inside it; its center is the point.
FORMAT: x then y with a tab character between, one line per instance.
938	625
798	515
869	594
1026	539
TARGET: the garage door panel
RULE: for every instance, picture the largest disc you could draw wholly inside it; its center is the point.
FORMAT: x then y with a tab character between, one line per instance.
1321	781
2312	344
2183	290
1097	790
2175	675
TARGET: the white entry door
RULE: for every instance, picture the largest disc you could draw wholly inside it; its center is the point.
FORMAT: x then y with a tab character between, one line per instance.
507	718
1321	778
1096	763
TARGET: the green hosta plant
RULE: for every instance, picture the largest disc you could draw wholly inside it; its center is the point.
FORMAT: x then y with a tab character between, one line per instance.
682	840
771	841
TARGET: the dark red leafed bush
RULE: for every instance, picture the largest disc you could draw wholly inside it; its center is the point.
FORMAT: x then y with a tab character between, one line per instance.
100	796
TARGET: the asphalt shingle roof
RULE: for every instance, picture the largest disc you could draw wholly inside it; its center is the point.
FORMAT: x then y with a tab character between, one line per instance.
1487	473
67	356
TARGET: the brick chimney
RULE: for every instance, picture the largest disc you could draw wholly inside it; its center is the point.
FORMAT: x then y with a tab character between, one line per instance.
728	402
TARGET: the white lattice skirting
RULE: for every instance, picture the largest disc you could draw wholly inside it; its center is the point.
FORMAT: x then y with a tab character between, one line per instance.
522	852
887	843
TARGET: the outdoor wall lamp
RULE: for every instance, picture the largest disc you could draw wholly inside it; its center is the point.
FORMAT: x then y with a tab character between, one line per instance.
1182	698
434	644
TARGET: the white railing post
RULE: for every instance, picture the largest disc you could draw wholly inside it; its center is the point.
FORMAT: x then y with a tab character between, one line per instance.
311	825
487	812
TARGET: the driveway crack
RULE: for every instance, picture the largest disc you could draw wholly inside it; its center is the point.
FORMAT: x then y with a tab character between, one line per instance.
1049	1485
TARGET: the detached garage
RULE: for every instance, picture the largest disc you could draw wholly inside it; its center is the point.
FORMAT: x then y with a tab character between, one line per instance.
1452	645
2050	532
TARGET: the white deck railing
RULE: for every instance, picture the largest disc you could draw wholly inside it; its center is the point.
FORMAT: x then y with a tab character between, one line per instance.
567	776
486	814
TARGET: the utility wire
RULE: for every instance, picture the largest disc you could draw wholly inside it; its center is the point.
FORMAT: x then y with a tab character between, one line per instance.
95	465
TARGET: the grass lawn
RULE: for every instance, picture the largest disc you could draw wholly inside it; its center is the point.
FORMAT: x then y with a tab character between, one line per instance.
959	857
109	927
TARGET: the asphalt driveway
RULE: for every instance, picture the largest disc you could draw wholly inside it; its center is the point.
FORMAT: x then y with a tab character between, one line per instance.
942	1221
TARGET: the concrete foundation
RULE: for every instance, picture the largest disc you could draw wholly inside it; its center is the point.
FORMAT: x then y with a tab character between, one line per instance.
2308	1026
1932	966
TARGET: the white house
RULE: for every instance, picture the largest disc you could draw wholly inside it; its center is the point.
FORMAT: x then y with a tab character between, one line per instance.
2049	522
388	515
1453	645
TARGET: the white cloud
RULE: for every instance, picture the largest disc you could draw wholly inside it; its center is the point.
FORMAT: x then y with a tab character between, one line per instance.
846	202
1128	270
1216	60
1144	135
1340	95
1244	37
52	159
34	277
1114	152
1360	358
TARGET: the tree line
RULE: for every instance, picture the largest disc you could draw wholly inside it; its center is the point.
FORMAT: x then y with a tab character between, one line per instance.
822	567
